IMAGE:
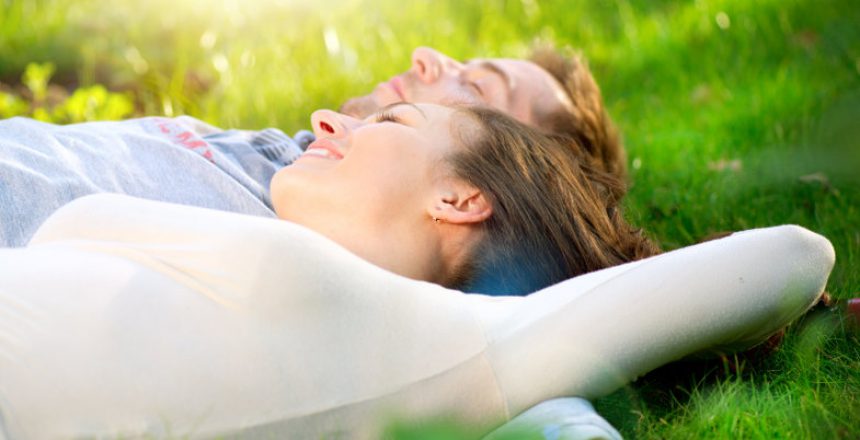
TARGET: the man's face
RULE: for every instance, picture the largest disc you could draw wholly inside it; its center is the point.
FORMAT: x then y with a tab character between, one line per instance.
517	87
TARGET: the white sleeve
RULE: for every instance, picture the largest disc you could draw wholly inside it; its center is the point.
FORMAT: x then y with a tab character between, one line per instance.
581	338
135	318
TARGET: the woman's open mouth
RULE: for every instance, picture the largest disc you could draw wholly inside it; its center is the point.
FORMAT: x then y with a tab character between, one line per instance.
323	148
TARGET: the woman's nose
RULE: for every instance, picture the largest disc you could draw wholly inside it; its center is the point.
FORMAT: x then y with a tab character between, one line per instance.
429	64
327	123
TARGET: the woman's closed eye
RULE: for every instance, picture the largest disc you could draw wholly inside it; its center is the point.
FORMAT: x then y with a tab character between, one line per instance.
387	116
403	113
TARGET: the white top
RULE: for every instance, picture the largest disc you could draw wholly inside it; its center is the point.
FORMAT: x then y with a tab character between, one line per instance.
131	318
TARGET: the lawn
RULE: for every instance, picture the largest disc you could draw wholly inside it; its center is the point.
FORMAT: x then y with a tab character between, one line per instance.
735	115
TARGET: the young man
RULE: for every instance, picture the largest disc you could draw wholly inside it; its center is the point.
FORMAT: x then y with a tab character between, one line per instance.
185	161
549	91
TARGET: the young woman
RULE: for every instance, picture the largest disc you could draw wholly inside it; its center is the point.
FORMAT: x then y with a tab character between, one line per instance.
466	198
132	318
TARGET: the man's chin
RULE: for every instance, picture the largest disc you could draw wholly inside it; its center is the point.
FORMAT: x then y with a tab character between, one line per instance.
360	107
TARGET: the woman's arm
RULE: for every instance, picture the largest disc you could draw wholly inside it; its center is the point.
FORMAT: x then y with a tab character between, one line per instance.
588	340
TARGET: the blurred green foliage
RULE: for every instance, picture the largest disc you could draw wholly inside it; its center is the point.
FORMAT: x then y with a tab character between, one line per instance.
92	103
735	115
36	77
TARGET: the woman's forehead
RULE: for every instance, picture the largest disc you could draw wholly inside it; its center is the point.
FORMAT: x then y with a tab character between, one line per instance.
449	124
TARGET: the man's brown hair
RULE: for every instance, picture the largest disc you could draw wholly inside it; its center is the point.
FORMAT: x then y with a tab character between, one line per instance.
552	217
587	121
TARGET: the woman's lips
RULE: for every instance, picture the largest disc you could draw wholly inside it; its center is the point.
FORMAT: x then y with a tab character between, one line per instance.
323	147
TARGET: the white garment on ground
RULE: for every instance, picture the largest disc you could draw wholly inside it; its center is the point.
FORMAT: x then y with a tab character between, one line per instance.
180	160
132	318
568	418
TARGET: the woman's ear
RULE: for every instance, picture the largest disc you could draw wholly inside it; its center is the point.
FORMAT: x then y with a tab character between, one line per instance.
458	202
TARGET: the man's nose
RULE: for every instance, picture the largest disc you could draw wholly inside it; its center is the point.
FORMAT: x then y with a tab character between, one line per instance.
429	64
331	124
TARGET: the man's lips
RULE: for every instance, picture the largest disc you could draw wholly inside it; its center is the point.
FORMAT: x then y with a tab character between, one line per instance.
324	148
396	84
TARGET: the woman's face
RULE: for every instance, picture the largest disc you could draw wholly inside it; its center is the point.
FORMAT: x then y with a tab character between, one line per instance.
370	175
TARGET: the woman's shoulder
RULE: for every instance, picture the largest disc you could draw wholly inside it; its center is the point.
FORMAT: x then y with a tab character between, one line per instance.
258	262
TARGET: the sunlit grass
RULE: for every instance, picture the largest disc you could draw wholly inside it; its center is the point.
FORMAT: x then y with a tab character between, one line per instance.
735	114
805	390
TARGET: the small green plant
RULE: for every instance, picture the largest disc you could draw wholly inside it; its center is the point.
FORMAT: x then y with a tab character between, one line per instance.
91	103
12	105
36	77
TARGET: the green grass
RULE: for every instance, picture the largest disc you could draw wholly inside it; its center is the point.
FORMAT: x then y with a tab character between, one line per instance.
721	124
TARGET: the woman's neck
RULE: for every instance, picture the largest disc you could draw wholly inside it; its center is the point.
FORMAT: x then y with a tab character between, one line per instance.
425	250
413	251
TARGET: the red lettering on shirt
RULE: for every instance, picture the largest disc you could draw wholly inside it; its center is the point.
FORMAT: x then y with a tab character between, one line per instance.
180	135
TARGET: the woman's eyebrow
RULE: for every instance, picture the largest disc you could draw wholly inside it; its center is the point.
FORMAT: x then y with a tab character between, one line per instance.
395	104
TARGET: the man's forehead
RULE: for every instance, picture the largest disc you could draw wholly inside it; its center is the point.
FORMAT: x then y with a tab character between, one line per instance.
533	88
511	68
508	74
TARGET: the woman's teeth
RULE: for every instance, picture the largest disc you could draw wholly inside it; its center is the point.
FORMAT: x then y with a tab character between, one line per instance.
320	152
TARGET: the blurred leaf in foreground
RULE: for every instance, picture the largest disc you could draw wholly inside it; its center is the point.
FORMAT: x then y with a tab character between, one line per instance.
94	103
36	78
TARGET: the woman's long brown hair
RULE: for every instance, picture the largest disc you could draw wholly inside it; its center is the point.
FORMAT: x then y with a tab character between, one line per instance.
554	216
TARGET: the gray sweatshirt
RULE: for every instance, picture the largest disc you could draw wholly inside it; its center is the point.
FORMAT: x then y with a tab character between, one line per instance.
180	160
